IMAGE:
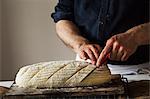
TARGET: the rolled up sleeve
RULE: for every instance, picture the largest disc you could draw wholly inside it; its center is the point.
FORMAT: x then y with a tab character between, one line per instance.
63	11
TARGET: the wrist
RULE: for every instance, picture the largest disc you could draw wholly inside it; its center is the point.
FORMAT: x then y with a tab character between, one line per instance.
79	43
136	36
140	34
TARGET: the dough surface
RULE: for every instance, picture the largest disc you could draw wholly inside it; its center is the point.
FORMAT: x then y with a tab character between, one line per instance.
56	74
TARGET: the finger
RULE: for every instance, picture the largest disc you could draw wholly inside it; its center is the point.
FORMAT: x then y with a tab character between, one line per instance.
98	48
107	49
109	45
93	62
124	56
83	55
95	52
102	58
104	52
90	54
114	51
120	53
103	61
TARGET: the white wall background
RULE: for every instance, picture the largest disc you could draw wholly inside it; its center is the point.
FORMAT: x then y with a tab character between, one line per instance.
28	35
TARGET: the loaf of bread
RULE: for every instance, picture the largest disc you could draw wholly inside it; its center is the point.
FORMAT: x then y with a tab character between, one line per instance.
56	74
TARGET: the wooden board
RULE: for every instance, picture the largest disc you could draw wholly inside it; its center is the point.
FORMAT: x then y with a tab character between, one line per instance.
115	87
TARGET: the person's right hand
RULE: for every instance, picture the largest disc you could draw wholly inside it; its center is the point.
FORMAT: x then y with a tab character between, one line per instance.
89	51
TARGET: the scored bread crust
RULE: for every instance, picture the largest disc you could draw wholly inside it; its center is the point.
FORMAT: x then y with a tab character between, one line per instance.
56	74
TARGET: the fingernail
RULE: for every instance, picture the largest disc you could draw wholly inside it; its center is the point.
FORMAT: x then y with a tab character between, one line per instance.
84	58
97	65
93	62
100	64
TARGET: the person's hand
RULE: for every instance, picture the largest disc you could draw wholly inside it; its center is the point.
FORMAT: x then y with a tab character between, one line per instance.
89	51
120	47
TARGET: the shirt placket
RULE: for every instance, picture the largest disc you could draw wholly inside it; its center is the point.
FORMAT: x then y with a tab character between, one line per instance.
103	13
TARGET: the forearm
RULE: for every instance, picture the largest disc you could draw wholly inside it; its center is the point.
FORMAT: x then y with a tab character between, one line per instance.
123	45
141	33
69	34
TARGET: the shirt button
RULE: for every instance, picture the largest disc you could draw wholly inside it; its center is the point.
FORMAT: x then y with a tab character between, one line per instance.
101	22
107	17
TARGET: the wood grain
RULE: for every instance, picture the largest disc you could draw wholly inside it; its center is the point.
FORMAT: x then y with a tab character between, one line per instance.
3	90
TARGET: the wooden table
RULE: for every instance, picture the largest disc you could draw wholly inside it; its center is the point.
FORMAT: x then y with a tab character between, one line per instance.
139	89
136	90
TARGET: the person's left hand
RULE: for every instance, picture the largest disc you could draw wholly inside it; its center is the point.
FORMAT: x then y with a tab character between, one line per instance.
120	47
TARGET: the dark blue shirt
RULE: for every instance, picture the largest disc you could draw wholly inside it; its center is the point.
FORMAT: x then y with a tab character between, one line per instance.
98	20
